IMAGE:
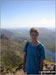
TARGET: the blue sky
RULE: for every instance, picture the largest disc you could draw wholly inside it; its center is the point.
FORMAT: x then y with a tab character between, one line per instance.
27	14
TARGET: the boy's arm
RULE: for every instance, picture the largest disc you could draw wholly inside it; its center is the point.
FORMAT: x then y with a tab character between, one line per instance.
24	61
42	58
41	65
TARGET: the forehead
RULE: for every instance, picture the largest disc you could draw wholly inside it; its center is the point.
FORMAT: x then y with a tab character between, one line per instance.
33	32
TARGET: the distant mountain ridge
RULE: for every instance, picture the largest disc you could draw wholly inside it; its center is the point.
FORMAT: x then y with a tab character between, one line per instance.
6	32
47	37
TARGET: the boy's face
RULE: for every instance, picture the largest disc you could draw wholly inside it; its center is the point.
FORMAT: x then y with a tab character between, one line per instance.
34	36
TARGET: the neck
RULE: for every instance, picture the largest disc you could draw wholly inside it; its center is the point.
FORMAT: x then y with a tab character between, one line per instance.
35	41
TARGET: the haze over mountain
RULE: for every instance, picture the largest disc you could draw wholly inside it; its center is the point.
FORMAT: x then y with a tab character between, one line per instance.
47	36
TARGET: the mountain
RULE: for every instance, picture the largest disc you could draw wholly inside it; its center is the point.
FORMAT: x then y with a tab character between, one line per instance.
8	44
6	32
50	54
46	35
20	35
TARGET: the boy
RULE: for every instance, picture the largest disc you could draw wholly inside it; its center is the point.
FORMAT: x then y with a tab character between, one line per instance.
34	54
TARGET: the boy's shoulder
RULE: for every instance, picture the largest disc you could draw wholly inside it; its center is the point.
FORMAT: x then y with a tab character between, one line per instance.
41	45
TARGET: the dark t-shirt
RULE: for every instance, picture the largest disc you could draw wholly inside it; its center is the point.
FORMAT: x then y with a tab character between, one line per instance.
33	57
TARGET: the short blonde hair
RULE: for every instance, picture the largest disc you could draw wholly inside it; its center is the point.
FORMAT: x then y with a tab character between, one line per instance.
34	29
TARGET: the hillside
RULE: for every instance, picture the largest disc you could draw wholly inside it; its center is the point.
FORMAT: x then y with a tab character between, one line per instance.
8	44
6	31
21	35
12	55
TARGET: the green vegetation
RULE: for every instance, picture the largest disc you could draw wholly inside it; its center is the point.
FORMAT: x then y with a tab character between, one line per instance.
10	59
10	55
50	46
12	49
48	58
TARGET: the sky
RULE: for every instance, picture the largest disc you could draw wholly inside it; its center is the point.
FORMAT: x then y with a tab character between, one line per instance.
15	14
